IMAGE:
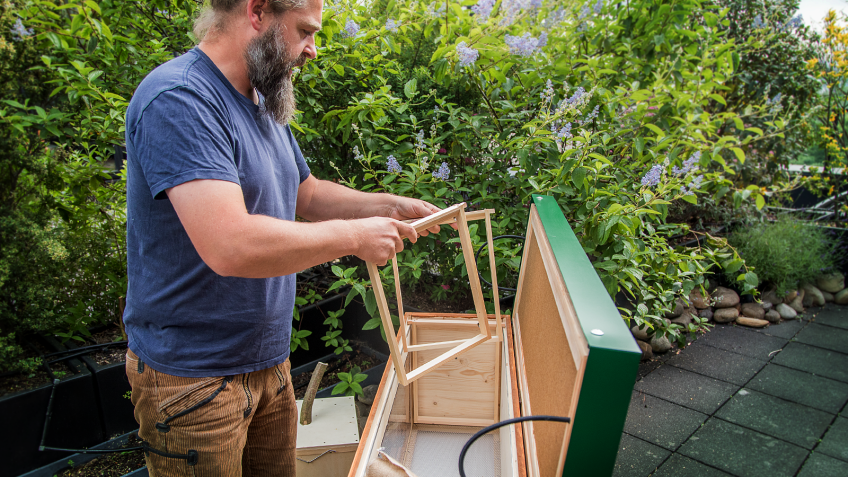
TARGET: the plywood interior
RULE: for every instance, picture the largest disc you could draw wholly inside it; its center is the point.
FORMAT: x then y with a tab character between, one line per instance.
463	391
550	363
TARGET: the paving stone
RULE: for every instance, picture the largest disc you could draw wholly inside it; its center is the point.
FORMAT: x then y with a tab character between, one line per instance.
824	336
637	458
660	422
647	367
800	425
835	442
680	466
804	388
820	465
743	341
686	388
717	363
786	329
741	451
822	362
833	315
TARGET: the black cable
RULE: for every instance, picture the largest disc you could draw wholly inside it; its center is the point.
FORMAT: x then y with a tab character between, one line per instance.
477	260
90	451
498	425
101	345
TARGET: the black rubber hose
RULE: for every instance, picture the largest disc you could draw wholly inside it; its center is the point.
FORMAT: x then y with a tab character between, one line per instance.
498	425
477	260
91	451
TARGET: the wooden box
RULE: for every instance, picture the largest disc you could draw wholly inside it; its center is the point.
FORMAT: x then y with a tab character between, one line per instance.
565	351
325	448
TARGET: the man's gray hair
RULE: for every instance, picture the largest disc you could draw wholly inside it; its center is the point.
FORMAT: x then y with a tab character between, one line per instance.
214	14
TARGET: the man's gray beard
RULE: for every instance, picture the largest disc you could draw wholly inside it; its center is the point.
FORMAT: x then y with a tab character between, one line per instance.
269	70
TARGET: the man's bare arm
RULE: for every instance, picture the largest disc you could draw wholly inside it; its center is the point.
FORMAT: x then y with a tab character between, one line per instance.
235	243
319	200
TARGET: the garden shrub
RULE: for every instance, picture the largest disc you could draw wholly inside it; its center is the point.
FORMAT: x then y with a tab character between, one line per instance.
617	111
786	253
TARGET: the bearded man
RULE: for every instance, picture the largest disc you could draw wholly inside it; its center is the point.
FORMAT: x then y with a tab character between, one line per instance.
214	181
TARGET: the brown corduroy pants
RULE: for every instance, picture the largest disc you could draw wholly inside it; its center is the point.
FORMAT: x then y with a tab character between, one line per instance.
242	425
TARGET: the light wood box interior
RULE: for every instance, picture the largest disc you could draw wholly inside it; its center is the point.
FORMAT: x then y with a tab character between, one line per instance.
535	366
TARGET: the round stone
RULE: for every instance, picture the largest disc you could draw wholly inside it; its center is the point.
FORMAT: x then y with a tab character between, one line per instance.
753	310
725	297
773	316
841	298
725	315
660	344
751	322
786	312
831	283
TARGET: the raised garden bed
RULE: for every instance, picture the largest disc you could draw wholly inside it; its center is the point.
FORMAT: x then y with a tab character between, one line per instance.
75	421
114	464
371	363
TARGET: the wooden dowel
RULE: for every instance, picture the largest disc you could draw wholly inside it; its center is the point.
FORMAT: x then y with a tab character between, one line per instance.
386	318
431	220
309	398
436	362
494	275
401	317
473	277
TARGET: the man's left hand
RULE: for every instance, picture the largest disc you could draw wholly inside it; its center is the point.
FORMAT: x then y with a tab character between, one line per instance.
406	209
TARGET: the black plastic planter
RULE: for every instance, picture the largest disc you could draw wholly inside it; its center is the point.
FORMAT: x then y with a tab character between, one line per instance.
374	373
111	385
75	421
77	459
355	316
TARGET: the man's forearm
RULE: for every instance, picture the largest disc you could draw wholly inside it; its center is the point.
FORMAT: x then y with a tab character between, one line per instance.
325	200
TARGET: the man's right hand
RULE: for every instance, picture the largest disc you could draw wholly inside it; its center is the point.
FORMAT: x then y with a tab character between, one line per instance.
378	239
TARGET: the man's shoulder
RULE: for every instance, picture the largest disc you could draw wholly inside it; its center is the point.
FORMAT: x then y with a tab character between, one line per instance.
185	73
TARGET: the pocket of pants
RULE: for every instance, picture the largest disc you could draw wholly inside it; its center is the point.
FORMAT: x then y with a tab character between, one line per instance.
177	394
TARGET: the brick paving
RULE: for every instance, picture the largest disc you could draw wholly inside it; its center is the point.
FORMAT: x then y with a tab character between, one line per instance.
744	402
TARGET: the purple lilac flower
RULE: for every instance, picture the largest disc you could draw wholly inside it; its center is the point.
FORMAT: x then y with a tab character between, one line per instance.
525	45
443	173
467	56
796	21
775	100
420	140
590	116
548	94
688	164
19	31
534	4
392	26
393	165
575	98
483	9
696	182
564	132
758	22
598	6
554	18
351	29
584	12
356	154
652	177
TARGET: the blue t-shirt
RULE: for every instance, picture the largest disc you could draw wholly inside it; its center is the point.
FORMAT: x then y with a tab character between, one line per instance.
186	122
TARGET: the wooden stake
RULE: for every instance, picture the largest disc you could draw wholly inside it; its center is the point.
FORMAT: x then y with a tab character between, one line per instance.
495	294
473	277
309	398
388	326
401	316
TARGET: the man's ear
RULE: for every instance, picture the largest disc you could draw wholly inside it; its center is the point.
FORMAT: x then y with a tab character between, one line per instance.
257	13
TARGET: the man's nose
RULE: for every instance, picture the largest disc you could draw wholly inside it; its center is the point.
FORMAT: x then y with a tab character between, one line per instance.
310	51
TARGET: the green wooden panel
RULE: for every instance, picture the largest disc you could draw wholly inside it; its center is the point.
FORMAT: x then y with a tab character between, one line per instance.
613	356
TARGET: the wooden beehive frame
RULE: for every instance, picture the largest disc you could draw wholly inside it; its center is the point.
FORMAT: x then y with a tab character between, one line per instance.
399	351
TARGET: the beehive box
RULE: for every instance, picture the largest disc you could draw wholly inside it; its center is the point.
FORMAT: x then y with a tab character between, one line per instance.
565	351
325	448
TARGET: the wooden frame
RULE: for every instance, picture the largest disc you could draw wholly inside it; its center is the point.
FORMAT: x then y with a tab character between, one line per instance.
452	215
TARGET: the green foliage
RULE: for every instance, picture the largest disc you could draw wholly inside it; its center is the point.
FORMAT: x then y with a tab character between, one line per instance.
655	78
785	254
349	382
660	82
10	356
